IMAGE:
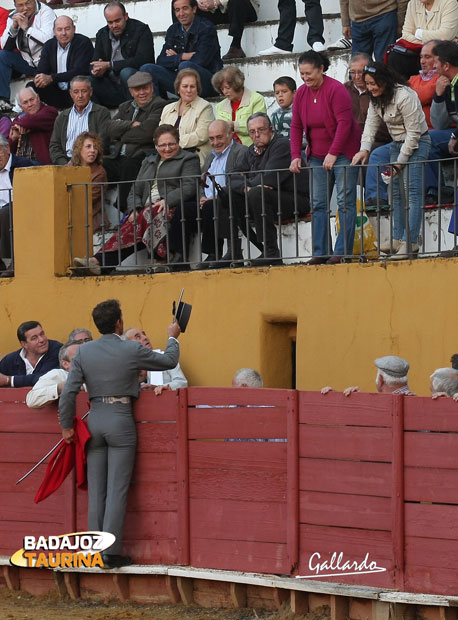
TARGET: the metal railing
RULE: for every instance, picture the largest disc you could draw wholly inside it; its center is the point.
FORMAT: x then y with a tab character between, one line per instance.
179	238
6	234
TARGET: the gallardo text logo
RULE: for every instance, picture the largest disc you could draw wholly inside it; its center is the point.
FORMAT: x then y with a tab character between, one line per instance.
74	550
337	566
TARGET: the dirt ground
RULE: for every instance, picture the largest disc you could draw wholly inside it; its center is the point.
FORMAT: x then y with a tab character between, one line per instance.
22	606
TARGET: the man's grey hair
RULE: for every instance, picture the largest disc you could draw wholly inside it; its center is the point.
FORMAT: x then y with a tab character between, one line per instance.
81	78
4	144
445	380
63	351
360	56
249	377
78	330
389	379
260	115
29	89
226	125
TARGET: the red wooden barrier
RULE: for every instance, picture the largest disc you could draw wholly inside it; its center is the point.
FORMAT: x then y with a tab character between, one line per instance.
371	473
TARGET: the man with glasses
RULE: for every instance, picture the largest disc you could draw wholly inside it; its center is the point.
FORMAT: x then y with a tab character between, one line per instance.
80	335
269	188
28	28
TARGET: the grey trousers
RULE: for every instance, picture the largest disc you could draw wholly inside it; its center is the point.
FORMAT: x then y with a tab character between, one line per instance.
110	461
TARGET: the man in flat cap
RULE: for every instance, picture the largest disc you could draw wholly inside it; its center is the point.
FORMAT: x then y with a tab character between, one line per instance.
131	133
391	377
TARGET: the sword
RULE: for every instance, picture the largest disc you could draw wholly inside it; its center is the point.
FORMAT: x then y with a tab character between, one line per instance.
46	456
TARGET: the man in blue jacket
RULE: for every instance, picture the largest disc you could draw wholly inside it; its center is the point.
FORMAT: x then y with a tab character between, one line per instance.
36	357
191	43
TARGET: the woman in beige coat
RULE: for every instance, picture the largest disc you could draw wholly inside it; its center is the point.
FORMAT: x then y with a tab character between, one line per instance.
191	114
430	19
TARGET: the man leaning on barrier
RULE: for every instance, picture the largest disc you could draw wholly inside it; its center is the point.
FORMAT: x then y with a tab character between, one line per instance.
444	383
269	188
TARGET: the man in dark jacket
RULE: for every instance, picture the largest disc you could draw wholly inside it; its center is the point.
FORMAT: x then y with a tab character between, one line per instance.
191	43
268	192
131	133
121	47
65	55
36	357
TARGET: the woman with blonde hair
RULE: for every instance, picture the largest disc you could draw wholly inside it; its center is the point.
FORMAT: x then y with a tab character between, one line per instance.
191	114
239	103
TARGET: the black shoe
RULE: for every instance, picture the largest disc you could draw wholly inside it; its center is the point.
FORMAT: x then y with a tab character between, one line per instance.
266	261
115	561
431	199
317	260
450	253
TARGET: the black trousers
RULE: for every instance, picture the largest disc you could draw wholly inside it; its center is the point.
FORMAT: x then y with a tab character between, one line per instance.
119	169
182	224
239	13
5	234
215	215
287	24
53	95
114	258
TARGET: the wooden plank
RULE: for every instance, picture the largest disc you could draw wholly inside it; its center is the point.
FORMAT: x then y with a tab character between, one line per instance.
436	450
356	477
11	472
121	584
425	414
431	553
345	442
172	589
236	396
397	492
432	520
69	508
151	408
431	485
380	610
152	496
239	555
235	520
22	419
21	506
161	551
182	469
339	607
299	602
13	396
151	525
334	408
246	485
292	505
238	595
155	468
33	446
185	587
341	510
237	422
238	456
281	596
12	533
72	584
11	577
61	586
157	437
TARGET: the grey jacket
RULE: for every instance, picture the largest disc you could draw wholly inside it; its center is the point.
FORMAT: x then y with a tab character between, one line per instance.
98	119
235	160
109	366
175	176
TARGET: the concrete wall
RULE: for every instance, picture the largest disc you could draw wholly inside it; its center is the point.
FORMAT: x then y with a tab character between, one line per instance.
346	315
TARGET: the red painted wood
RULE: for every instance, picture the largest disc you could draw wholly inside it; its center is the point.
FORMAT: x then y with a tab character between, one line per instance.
427	520
26	448
237	422
182	477
433	415
431	553
261	557
152	408
397	494
246	485
155	468
238	456
431	485
14	504
153	497
292	503
334	408
231	520
431	580
345	442
150	525
12	533
356	477
12	472
431	449
156	437
356	511
164	551
235	396
26	420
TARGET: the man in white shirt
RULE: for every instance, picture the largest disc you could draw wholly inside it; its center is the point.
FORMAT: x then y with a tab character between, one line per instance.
49	386
157	380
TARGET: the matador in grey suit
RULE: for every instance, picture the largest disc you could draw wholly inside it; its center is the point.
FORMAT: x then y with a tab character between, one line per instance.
110	369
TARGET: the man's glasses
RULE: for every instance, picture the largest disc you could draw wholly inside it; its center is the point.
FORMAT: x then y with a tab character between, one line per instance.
168	145
354	72
254	132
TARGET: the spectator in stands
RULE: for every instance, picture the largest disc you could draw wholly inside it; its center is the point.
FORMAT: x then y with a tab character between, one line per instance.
36	356
8	164
444	382
454	361
239	102
50	385
88	151
31	130
236	13
391	377
5	125
284	41
227	156
82	116
265	192
121	48
65	55
322	108
191	114
400	108
131	133
444	114
192	43
285	91
149	211
424	84
157	380
28	28
371	25
247	377
80	334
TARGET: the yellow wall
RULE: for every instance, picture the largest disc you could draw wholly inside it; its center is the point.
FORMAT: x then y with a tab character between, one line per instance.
346	314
